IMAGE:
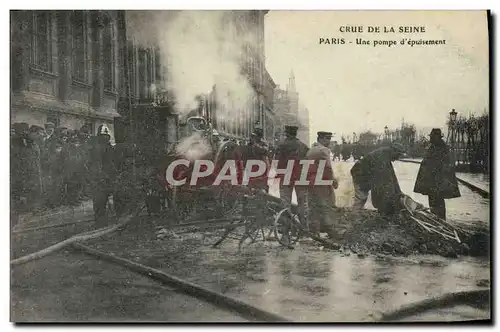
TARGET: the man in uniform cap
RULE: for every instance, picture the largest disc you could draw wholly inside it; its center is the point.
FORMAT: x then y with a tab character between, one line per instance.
375	173
322	197
291	148
436	177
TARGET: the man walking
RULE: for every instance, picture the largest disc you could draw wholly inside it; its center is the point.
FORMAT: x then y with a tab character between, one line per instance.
436	176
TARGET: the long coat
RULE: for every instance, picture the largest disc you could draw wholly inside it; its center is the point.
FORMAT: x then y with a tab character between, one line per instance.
436	176
256	151
317	153
291	149
375	172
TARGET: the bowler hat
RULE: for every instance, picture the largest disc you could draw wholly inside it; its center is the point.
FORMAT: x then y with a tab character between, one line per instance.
291	130
436	132
50	125
324	134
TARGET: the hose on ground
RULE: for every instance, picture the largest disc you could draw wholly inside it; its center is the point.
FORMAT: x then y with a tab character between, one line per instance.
76	238
243	309
31	229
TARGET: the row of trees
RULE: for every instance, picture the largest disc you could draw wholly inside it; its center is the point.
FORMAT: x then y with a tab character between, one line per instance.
468	139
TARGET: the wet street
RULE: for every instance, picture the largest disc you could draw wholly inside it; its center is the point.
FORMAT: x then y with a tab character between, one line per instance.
316	285
308	283
71	287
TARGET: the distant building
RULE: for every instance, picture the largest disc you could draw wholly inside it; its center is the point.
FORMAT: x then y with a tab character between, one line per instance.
287	111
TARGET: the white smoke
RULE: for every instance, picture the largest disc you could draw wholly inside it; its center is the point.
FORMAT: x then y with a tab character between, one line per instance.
202	49
194	147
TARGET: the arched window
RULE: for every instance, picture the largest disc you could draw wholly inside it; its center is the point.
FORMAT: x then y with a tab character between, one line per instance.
79	49
108	53
41	46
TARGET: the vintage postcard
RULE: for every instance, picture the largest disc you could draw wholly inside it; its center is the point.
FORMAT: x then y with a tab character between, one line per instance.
250	166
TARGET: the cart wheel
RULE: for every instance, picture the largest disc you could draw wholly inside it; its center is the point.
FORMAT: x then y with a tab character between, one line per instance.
286	230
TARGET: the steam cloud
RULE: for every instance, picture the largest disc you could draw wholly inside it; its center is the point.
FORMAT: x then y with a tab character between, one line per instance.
202	49
194	147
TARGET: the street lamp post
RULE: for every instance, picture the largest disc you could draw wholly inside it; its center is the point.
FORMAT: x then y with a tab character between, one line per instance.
452	127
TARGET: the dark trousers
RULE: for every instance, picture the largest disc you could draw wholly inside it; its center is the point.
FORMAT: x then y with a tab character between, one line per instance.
124	202
302	201
322	204
99	201
438	206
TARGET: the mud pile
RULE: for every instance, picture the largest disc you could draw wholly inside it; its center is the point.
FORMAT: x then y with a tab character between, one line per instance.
368	232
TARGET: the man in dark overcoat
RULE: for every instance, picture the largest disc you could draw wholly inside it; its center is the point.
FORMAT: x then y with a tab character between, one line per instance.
436	176
256	149
291	148
375	173
34	167
102	171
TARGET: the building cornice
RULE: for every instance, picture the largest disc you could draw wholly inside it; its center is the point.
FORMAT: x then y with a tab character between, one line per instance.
44	104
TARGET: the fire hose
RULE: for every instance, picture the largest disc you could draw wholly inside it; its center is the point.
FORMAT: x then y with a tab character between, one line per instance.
244	309
79	237
31	229
474	297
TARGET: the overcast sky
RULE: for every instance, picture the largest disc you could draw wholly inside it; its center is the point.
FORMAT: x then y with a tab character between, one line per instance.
354	88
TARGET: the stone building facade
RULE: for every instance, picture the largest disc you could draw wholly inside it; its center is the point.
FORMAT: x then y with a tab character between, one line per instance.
65	67
259	109
89	67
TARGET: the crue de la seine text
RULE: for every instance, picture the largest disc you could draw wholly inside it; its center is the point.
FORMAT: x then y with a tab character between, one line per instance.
379	41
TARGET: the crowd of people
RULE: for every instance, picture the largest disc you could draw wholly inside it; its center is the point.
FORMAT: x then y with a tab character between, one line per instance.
54	166
48	166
